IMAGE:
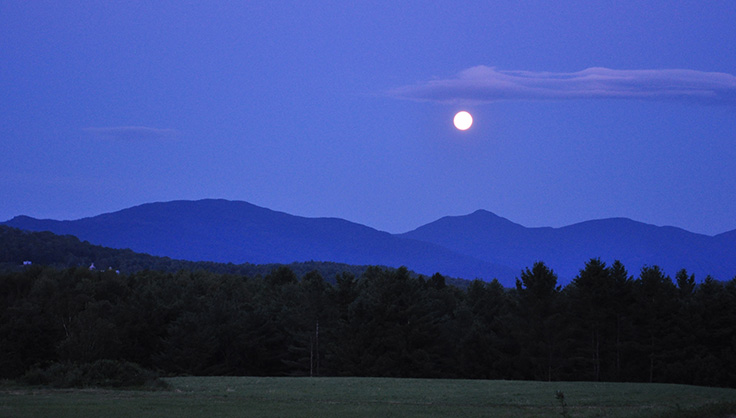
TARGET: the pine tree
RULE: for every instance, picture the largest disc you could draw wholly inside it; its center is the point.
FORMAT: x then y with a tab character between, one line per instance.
540	314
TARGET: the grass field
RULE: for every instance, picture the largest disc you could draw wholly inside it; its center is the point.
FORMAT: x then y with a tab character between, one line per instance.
212	397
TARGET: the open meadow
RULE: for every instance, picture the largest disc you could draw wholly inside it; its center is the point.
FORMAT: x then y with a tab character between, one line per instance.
370	397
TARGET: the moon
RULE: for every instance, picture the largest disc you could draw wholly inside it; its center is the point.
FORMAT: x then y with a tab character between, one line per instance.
463	120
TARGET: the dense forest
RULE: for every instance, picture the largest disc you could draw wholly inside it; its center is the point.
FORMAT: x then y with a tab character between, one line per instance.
606	325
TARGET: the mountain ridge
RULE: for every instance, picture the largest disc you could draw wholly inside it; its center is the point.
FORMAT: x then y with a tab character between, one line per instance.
567	248
225	231
478	245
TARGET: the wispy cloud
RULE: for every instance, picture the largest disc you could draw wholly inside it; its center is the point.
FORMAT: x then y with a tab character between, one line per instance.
483	84
131	133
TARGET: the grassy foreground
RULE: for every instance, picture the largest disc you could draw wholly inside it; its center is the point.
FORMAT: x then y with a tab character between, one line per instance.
370	397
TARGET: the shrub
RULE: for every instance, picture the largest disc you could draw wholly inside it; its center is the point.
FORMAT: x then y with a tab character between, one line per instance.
101	373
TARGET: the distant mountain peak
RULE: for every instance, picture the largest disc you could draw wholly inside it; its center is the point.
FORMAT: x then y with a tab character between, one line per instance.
21	218
488	215
483	212
480	221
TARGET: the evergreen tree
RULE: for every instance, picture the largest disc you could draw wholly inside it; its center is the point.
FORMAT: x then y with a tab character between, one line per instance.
591	301
538	333
481	348
655	299
623	299
311	317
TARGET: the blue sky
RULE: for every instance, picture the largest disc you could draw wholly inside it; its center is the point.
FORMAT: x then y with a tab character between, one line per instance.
582	110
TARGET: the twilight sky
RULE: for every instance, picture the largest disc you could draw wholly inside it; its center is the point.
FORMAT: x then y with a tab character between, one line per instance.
582	110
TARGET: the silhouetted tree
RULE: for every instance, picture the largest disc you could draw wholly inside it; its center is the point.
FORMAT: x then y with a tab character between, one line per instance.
591	296
539	313
655	299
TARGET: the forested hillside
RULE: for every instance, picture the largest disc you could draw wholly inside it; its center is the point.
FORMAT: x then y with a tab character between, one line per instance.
605	325
62	251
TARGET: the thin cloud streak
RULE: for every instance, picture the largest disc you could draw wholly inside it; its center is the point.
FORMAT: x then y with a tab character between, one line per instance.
483	84
131	133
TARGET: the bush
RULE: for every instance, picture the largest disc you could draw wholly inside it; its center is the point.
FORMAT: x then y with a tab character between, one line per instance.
101	373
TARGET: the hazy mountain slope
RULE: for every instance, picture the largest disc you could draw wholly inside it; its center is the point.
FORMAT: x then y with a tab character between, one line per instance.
238	232
489	237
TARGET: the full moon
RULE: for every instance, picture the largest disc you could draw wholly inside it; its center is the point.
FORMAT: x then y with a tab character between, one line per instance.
463	120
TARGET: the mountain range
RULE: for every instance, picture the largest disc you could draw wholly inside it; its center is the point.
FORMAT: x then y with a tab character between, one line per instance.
478	245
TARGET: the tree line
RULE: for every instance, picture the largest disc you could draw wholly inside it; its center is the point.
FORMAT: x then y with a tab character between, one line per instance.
605	325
